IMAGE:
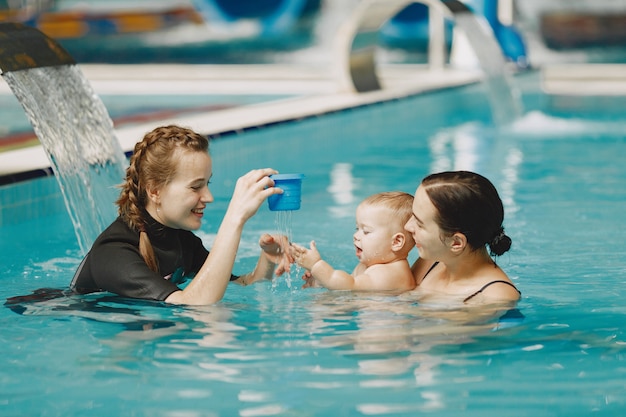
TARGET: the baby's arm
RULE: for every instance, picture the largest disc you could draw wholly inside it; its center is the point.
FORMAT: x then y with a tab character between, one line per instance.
394	276
322	272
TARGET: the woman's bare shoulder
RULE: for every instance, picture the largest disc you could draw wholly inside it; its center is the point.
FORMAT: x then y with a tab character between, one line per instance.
420	268
494	284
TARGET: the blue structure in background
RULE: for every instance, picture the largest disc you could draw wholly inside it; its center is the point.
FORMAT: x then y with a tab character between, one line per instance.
409	30
509	38
274	16
113	34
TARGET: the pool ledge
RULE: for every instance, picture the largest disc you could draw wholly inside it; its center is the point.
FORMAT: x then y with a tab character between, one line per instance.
584	79
317	94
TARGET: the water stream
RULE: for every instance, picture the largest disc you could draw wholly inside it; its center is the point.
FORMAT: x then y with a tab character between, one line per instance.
283	223
504	97
77	134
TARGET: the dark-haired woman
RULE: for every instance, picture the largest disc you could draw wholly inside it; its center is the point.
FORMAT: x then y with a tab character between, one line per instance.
150	249
456	217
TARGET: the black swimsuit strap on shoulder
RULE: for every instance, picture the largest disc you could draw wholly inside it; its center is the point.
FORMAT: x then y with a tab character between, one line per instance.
491	283
430	269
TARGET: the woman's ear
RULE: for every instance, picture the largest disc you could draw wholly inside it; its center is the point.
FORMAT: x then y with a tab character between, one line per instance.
153	194
457	242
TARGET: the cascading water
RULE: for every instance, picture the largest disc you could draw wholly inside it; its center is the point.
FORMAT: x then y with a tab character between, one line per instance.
283	222
74	128
506	106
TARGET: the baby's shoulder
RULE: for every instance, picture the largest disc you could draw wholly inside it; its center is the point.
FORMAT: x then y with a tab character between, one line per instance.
398	272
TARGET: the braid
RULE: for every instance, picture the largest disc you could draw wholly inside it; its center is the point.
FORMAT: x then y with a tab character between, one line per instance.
152	165
131	199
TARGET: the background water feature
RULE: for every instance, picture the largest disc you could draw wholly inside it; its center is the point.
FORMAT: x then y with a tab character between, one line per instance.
73	125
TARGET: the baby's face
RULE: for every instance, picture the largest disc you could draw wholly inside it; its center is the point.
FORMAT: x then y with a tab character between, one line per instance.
374	233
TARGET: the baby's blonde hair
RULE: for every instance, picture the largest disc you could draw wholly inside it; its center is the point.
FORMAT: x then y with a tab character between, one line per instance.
399	202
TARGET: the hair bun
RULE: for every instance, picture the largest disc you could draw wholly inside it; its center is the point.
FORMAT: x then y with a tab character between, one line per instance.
500	243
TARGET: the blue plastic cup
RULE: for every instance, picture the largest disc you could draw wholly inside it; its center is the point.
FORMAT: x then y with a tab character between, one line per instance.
291	184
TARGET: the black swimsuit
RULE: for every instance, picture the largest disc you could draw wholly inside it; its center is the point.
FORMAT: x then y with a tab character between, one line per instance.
114	263
480	290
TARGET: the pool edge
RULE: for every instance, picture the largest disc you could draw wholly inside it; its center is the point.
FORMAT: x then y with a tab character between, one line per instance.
318	93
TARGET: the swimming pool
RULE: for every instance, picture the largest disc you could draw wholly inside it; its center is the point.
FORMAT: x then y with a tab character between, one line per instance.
275	349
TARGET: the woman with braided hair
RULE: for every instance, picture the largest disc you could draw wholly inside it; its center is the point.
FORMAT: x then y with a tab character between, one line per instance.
149	250
456	216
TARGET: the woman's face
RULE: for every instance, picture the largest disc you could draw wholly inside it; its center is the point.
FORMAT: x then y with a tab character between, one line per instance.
423	227
182	201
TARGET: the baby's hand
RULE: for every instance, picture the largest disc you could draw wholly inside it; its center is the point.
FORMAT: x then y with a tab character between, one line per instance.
304	257
309	281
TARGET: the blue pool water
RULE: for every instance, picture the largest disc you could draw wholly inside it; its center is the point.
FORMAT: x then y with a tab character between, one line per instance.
274	349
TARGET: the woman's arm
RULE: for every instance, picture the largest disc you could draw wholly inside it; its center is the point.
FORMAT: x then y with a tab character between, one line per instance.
275	253
211	281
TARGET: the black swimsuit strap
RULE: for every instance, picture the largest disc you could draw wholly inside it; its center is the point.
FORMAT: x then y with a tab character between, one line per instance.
491	283
430	269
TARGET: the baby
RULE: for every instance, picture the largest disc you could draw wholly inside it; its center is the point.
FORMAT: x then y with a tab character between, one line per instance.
382	247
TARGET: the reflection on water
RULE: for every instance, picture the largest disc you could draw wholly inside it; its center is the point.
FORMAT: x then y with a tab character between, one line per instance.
341	188
488	150
314	349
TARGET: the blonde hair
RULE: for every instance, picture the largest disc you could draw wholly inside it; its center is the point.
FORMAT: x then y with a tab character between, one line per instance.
152	166
398	202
